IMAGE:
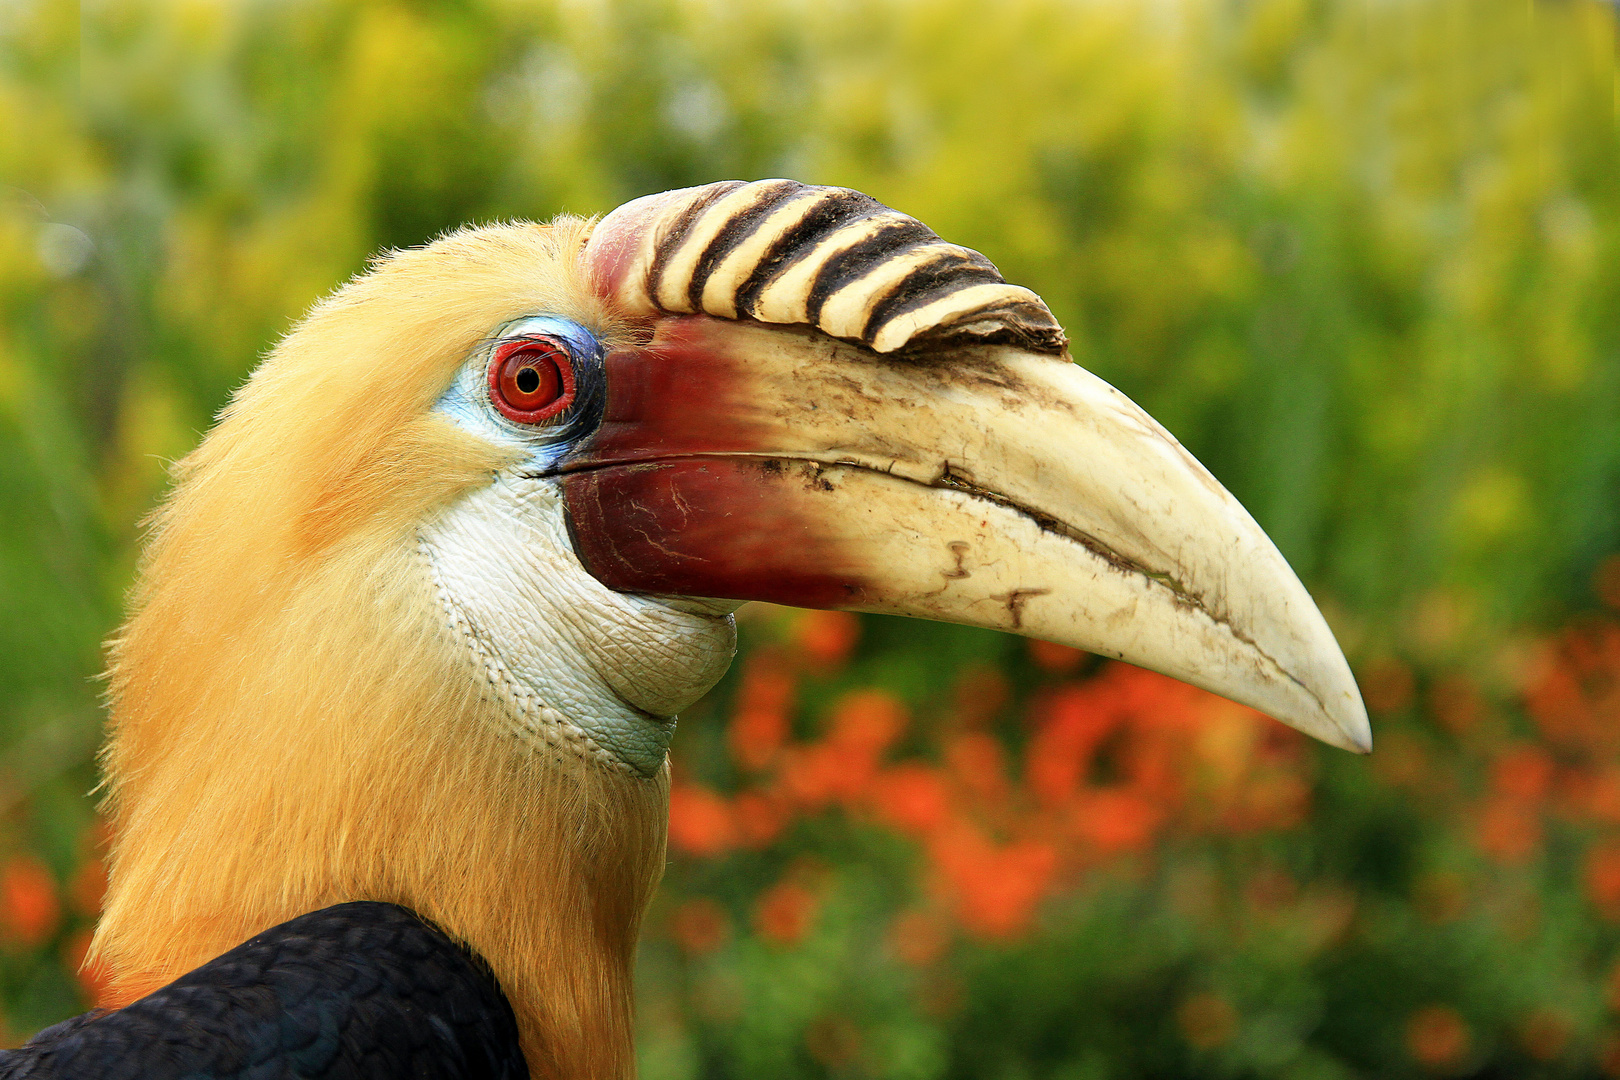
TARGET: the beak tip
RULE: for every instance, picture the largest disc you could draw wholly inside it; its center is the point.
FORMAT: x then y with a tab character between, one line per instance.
1363	743
1359	742
1349	725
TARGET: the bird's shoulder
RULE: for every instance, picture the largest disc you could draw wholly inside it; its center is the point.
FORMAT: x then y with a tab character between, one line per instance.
358	991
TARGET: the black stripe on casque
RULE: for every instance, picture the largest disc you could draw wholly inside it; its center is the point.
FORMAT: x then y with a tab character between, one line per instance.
735	231
839	208
955	269
888	242
673	236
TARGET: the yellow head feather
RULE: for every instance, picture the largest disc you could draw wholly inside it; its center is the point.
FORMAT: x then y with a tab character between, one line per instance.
293	725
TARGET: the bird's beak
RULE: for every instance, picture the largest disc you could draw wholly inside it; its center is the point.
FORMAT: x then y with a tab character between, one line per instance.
987	484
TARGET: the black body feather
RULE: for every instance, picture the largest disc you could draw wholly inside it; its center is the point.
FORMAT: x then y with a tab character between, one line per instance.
361	991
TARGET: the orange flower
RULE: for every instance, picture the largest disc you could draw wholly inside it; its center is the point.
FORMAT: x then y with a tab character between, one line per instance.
29	907
843	766
1596	796
996	889
1575	690
976	761
767	685
919	938
1524	772
827	637
1553	696
758	819
1508	832
1115	820
1437	1036
700	926
1604	797
755	736
1603	879
912	798
785	913
700	822
816	775
1054	658
1207	1021
1072	724
866	722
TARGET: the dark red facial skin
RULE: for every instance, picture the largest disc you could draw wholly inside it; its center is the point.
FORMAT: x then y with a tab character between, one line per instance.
734	528
659	503
678	397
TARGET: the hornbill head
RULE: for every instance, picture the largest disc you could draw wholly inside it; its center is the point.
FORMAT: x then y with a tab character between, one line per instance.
418	617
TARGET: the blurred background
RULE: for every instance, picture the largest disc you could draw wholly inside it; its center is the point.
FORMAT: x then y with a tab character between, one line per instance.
1361	256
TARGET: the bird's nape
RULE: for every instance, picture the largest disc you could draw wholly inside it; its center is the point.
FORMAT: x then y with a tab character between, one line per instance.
415	623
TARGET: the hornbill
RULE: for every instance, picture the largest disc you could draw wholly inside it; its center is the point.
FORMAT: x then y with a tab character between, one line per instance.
412	629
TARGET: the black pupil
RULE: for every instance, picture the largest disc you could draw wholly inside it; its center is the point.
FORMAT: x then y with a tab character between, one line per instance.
528	380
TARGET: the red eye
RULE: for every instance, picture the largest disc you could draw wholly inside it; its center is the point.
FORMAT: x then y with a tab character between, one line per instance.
531	380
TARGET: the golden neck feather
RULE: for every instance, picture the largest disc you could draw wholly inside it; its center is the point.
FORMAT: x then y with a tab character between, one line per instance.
293	725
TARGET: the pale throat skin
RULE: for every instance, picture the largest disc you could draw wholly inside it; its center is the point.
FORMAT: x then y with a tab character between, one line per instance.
574	664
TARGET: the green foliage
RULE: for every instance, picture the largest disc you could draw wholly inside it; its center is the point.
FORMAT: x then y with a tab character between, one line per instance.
1363	258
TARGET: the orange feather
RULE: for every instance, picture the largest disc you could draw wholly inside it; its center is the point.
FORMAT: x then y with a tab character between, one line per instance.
294	724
